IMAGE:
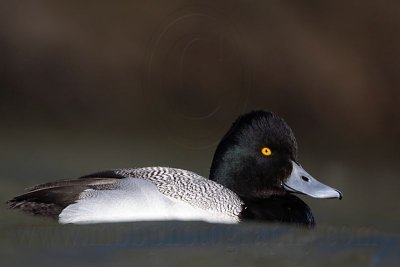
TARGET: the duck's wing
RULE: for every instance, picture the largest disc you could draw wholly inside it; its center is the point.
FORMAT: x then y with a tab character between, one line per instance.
132	194
49	199
189	187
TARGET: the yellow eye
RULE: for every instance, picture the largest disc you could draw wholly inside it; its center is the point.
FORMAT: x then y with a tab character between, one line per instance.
266	151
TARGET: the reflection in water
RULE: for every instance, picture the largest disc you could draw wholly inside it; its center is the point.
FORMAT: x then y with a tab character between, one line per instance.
173	243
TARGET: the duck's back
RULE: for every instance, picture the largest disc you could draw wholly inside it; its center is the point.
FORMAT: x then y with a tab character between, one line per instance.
153	193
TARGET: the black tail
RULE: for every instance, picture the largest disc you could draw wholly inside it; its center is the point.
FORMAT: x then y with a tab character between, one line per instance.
50	199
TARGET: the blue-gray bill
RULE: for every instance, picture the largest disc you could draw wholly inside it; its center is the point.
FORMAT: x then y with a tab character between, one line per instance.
302	182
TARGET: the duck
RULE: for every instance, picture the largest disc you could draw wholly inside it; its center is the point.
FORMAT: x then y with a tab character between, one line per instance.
254	176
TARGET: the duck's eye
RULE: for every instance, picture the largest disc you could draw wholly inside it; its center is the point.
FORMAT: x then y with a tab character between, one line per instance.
266	151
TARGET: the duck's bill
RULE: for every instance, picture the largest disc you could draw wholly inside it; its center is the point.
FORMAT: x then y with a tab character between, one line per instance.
300	181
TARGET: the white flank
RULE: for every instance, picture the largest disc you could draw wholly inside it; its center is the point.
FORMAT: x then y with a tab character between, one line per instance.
134	199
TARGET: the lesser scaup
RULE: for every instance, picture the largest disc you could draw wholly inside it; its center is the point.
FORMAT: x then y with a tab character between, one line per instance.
253	174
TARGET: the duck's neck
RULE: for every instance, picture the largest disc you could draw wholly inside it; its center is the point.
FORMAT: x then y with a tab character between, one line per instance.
284	208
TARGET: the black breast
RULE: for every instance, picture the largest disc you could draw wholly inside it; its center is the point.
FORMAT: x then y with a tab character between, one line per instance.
287	208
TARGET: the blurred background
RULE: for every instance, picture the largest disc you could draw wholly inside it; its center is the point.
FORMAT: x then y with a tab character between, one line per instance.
88	86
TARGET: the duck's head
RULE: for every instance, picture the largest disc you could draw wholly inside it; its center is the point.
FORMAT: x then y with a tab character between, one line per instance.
257	158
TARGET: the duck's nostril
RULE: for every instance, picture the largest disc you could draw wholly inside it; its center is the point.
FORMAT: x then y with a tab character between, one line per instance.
306	179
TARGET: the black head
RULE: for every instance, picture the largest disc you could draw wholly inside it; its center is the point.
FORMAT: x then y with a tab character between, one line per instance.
255	156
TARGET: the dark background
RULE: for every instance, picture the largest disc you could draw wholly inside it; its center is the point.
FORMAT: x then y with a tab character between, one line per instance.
93	85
